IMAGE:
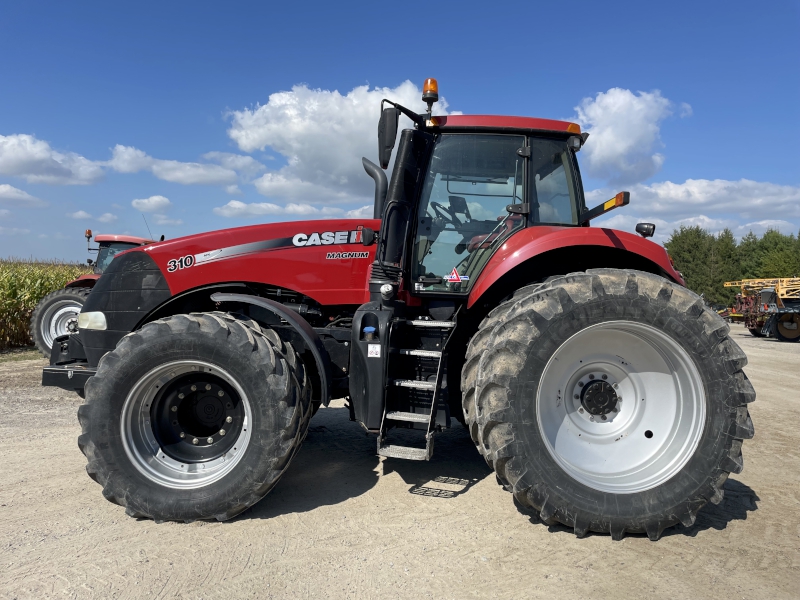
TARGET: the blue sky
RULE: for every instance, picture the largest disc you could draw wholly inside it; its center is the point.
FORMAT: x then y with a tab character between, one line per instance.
215	115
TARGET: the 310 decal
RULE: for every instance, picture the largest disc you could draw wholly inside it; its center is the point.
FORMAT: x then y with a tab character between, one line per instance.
184	262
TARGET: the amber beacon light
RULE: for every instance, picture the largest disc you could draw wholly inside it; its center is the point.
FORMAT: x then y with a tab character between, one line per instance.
430	93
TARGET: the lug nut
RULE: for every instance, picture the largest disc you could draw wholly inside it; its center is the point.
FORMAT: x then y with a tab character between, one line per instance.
194	388
229	419
580	410
181	396
174	409
591	418
616	385
220	393
591	376
210	440
195	441
576	396
580	384
208	386
604	417
182	434
222	432
605	376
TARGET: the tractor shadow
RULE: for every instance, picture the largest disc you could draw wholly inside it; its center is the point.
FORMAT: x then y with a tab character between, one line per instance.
739	500
336	462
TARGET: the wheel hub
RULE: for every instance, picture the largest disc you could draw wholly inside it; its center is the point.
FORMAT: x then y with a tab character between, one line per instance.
196	418
599	398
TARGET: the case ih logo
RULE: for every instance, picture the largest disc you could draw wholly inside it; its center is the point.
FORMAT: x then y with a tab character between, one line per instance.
327	238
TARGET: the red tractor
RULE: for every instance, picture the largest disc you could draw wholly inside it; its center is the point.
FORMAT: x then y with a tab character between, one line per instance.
57	313
604	394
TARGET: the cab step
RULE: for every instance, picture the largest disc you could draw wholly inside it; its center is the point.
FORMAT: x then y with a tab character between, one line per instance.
422	353
408	416
404	452
415	384
426	323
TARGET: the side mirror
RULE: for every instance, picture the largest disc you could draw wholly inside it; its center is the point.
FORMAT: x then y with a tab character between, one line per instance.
621	199
89	261
368	236
387	134
458	205
645	230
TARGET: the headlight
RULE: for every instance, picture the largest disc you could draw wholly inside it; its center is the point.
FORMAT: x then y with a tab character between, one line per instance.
92	320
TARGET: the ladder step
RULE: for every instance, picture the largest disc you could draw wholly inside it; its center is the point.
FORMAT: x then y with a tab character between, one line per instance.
408	416
406	452
443	324
424	353
413	383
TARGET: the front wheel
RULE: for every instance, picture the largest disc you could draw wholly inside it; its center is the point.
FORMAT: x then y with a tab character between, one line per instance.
609	401
55	315
787	329
194	417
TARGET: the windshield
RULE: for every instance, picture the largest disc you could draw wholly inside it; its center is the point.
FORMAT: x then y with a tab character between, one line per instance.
107	252
462	213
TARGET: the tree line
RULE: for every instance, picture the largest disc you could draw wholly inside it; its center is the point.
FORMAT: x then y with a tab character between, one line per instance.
707	260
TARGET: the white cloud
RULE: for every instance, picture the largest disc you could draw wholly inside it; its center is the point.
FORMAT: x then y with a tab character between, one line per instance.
322	134
107	218
13	231
159	219
712	204
246	165
151	204
10	195
625	134
81	214
22	155
235	208
126	159
365	212
233	189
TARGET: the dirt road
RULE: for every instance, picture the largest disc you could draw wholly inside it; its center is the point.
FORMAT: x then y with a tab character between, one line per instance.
344	524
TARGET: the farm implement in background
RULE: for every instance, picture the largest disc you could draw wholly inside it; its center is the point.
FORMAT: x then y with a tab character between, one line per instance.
769	307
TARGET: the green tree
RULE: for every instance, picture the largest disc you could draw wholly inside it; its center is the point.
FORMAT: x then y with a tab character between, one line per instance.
723	266
750	252
690	248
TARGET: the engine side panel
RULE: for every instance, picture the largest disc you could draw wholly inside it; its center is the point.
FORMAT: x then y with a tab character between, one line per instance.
533	241
322	259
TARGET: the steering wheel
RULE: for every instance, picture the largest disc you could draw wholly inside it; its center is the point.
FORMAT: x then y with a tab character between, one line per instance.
445	214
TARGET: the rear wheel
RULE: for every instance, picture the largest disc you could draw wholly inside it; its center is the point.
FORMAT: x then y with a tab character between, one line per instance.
194	417
56	315
755	332
787	329
609	401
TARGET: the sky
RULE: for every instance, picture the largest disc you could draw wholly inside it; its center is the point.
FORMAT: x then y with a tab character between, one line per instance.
201	116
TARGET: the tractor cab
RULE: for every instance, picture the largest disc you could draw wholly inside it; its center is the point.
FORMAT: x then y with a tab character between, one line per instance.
480	188
108	246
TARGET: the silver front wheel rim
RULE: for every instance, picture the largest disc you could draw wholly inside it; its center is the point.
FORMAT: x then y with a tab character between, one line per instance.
621	407
191	453
60	318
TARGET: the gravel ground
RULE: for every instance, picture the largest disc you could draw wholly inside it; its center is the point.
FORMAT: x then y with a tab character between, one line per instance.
345	524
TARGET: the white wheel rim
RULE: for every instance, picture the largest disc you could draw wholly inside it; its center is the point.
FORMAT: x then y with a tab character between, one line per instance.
657	422
58	320
140	441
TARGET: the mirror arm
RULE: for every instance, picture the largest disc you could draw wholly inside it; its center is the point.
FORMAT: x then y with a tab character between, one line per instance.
418	119
621	199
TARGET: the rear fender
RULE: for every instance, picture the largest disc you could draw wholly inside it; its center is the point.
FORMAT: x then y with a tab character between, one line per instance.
538	252
301	326
86	281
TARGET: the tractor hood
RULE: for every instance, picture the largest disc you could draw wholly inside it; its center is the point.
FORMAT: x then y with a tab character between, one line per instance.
323	259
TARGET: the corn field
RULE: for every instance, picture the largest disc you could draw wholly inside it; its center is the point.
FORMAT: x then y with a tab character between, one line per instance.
22	284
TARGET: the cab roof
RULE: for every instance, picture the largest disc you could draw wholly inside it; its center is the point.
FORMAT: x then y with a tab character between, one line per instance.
506	122
129	239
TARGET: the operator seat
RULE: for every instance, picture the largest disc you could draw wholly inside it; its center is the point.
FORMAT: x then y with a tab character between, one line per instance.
482	241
